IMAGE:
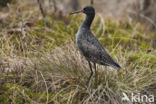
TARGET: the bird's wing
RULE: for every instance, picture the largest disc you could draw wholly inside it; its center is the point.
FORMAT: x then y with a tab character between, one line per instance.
90	48
93	49
93	46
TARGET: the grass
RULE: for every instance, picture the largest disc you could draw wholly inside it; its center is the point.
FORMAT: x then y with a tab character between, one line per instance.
41	64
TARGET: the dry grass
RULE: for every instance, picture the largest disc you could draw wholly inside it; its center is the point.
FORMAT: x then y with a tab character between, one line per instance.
60	76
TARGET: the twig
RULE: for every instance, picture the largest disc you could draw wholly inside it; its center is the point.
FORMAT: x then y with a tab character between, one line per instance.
144	4
43	13
55	7
92	2
75	4
145	17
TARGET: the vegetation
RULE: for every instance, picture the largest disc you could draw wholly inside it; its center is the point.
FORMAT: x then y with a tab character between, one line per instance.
40	64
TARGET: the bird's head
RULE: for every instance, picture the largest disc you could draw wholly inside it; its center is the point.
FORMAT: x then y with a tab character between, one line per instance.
88	10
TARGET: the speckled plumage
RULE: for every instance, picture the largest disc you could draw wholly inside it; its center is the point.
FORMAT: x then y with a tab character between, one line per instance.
89	46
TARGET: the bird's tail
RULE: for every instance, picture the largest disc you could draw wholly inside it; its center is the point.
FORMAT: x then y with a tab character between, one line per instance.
116	66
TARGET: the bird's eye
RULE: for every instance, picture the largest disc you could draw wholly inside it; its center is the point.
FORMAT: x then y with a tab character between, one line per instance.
84	8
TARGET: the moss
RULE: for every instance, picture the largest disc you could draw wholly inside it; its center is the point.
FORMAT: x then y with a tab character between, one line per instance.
17	94
149	59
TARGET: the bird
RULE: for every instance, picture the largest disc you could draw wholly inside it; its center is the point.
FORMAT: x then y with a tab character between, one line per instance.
89	46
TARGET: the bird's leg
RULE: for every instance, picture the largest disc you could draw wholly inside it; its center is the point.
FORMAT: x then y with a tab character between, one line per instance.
96	77
95	67
91	73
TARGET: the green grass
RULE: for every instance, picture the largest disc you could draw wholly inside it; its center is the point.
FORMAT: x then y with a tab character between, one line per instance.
41	64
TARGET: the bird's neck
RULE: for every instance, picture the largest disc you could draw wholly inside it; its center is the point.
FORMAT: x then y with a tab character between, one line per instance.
88	21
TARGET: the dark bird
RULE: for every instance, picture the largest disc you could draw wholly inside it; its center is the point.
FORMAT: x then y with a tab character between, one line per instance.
89	46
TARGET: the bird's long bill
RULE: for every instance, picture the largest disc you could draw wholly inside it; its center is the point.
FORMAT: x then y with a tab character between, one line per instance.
79	11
